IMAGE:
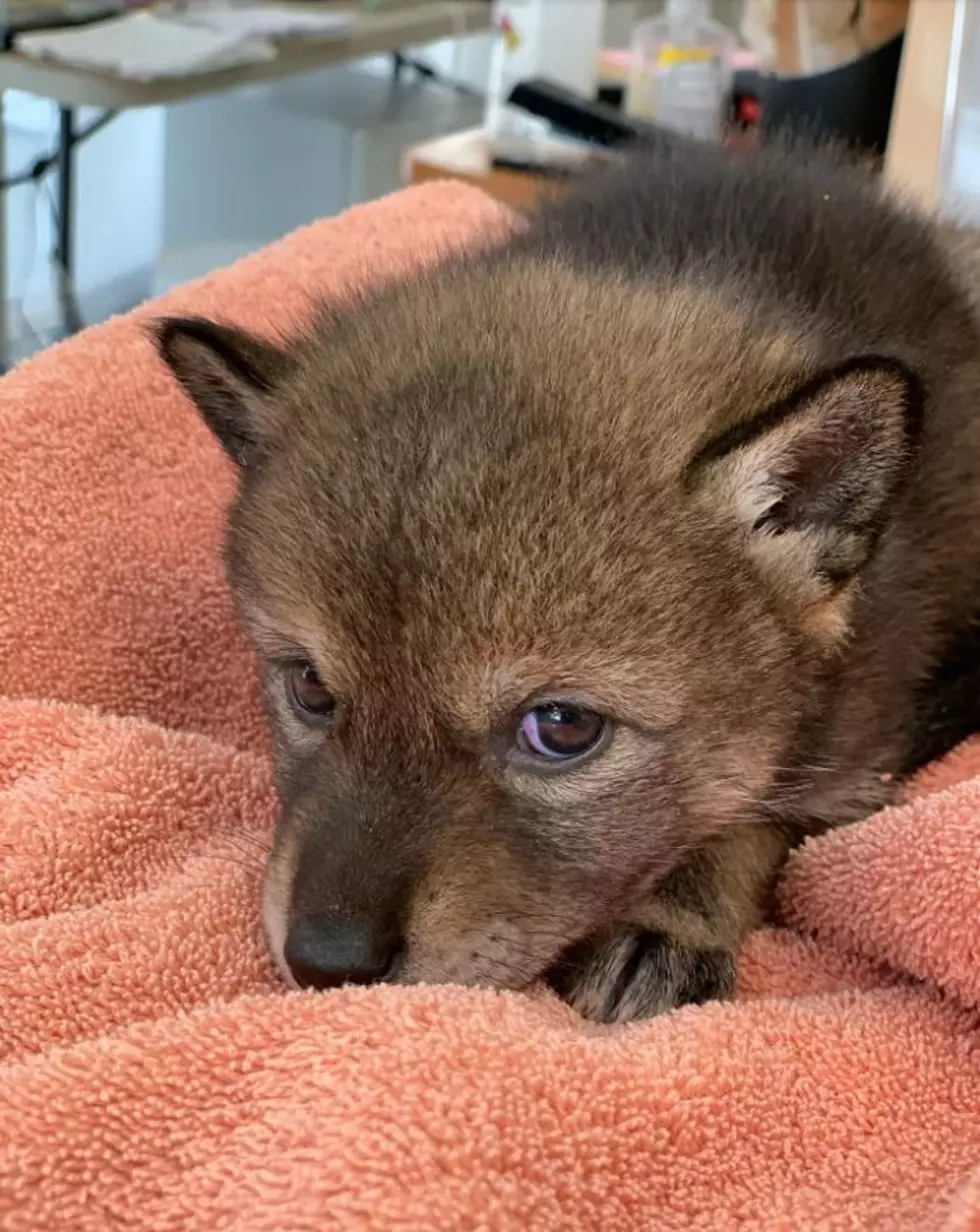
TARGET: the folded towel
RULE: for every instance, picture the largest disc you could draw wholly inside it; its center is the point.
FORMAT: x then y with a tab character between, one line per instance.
153	1074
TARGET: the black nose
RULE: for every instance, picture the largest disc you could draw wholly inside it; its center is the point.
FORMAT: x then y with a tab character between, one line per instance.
325	952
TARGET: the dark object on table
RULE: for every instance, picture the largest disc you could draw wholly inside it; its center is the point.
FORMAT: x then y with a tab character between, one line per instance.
606	124
531	166
575	116
852	103
611	95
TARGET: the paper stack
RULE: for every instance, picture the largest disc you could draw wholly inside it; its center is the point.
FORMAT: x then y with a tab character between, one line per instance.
144	46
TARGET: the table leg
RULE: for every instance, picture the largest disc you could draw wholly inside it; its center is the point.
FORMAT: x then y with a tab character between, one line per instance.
3	242
64	241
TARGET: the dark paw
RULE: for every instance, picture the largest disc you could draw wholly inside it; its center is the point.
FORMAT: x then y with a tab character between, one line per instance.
631	974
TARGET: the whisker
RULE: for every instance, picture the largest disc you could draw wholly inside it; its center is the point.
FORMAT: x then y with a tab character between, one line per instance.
258	839
254	870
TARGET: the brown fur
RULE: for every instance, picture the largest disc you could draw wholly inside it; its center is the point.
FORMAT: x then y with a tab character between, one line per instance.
706	497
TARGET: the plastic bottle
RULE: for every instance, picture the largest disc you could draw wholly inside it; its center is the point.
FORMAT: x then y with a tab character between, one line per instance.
681	70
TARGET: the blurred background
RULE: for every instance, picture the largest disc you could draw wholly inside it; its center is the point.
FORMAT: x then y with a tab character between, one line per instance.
146	145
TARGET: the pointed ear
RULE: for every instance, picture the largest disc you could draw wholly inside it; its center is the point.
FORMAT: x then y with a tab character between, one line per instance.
811	483
228	374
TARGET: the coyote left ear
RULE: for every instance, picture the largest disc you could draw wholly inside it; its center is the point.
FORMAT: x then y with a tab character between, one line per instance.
810	482
228	374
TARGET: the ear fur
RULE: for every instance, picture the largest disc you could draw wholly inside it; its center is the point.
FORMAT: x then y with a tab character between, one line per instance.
227	373
811	482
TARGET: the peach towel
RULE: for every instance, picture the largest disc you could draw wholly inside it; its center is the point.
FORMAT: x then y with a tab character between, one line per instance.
153	1077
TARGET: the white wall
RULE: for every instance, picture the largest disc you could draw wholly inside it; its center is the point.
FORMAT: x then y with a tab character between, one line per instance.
560	40
243	169
119	183
960	194
152	182
170	193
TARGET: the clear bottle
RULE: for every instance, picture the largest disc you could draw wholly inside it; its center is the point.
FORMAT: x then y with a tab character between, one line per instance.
681	70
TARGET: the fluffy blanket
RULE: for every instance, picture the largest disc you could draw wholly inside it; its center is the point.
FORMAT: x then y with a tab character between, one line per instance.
154	1076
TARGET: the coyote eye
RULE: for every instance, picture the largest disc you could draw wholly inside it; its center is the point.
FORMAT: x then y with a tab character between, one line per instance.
307	692
560	731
